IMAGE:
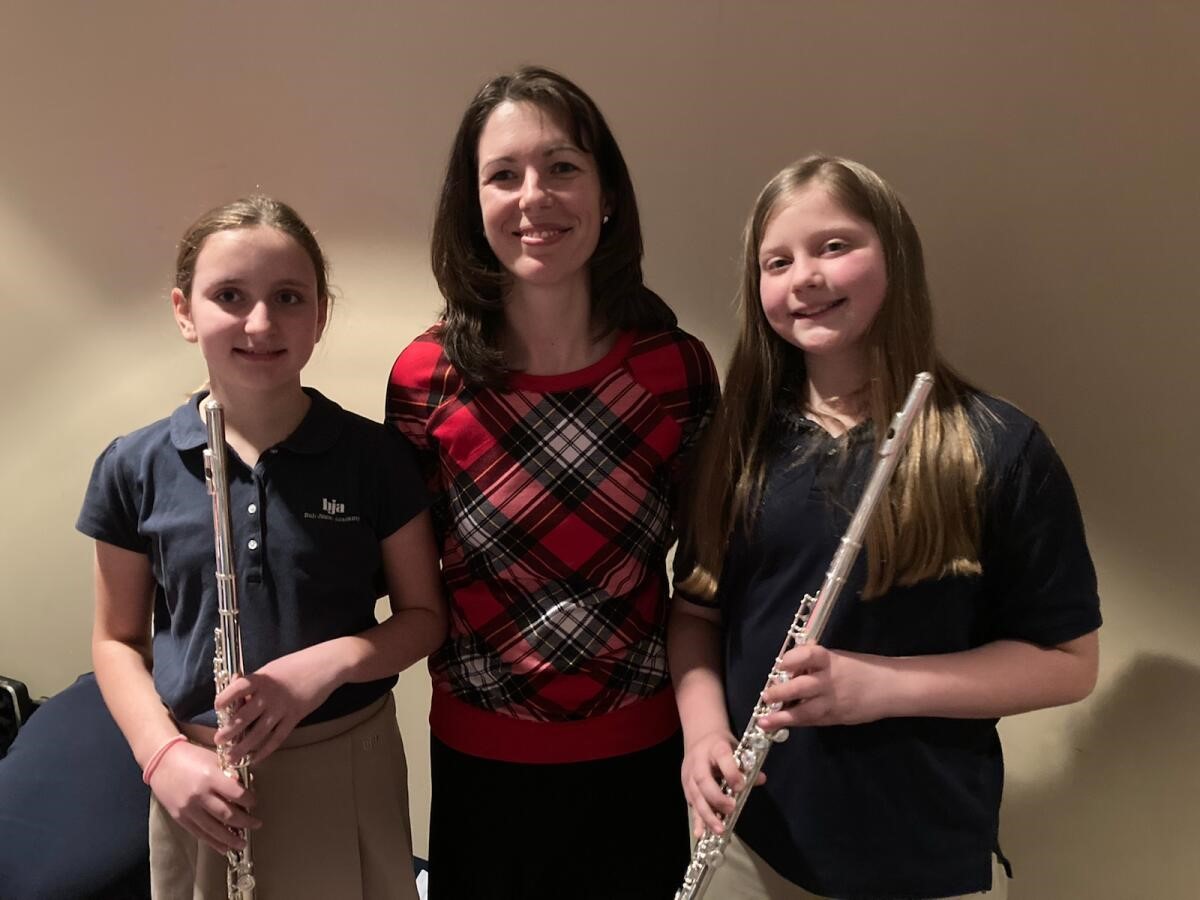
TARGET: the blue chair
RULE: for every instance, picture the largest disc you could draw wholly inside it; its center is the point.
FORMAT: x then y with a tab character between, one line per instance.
73	809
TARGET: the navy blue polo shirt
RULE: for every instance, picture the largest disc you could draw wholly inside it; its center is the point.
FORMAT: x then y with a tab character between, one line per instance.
307	522
903	807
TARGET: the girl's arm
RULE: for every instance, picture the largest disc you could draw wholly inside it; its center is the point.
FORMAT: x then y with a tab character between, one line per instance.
280	694
188	779
1040	571
1002	678
694	654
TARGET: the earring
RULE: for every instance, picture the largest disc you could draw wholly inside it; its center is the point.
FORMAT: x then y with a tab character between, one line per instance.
604	221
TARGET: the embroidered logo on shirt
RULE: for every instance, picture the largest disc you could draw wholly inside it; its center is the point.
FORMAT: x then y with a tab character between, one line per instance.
332	510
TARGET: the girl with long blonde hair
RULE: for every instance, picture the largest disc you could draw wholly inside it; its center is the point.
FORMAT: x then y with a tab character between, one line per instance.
975	598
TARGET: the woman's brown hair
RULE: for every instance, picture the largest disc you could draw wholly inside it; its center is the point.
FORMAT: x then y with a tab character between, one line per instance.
471	278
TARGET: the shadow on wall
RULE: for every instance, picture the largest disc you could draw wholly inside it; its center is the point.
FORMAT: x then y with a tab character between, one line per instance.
1118	824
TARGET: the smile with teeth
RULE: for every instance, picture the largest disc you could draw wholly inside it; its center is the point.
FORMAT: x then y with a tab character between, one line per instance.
542	234
812	312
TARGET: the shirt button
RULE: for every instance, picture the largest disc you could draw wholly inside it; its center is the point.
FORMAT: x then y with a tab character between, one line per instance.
252	544
252	508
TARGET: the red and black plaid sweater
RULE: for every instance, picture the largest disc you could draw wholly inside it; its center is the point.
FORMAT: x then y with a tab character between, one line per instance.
554	505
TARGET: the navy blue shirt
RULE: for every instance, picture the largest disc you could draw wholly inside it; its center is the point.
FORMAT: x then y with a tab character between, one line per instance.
902	807
307	522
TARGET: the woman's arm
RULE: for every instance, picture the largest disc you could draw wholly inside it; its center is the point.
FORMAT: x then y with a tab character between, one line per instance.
273	700
188	780
1002	678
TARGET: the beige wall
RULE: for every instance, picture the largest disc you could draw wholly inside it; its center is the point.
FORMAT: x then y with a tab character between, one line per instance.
1048	155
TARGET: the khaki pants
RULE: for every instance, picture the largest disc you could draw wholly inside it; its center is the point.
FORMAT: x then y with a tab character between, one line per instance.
745	876
333	801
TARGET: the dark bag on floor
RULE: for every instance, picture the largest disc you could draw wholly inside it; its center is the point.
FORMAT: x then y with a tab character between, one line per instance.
15	710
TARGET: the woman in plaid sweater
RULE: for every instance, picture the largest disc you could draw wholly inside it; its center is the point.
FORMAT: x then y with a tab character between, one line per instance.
554	405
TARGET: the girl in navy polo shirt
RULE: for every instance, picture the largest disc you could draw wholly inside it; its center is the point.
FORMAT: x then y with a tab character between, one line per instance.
975	598
328	511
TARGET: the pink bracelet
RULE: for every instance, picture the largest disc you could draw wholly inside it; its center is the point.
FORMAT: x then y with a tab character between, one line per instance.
170	742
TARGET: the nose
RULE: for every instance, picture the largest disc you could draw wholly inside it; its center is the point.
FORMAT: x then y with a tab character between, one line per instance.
807	276
259	319
533	191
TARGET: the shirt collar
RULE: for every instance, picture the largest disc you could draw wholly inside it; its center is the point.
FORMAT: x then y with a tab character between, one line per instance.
187	424
321	427
316	433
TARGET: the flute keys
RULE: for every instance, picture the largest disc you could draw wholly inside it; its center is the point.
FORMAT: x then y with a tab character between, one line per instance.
239	881
714	855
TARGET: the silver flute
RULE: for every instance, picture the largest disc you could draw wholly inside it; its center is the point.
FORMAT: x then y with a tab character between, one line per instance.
227	652
807	627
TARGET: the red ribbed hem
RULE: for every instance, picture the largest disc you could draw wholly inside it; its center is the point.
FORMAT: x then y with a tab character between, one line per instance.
478	732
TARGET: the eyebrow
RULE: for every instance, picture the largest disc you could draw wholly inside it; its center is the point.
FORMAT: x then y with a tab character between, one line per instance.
239	280
822	234
847	225
549	151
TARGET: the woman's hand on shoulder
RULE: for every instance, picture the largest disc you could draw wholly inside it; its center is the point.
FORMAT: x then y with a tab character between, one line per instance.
827	687
269	703
195	792
706	760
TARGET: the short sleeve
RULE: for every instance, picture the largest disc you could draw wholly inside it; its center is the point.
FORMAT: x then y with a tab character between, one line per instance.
702	394
678	370
420	381
111	504
416	386
689	389
1036	557
402	494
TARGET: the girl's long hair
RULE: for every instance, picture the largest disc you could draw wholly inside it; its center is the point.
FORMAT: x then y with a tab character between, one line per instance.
930	524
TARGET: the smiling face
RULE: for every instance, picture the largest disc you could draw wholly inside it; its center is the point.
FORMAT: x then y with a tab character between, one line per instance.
254	309
822	274
540	198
